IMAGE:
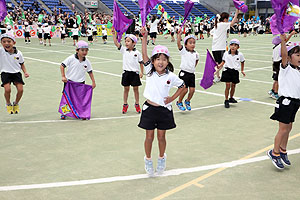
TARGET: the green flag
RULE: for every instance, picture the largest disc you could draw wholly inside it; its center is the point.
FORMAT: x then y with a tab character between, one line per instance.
53	29
179	21
40	18
191	19
90	18
78	19
109	24
159	12
23	15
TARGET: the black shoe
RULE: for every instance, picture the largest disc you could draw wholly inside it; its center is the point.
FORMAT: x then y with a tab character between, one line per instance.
285	159
276	160
226	103
232	100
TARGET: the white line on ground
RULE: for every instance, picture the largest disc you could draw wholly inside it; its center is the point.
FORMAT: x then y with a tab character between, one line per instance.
173	172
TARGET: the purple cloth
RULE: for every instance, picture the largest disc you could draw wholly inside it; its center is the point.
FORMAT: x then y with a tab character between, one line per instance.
76	100
208	76
145	8
188	5
280	21
240	5
121	22
3	10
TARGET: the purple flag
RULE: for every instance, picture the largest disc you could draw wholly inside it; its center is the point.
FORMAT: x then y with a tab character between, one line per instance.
121	22
240	5
281	22
3	10
188	5
76	100
145	8
208	76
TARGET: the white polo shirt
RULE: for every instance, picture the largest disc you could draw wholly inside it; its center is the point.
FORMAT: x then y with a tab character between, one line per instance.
288	80
11	63
75	31
76	70
220	36
47	29
188	60
233	61
158	85
131	59
276	53
153	26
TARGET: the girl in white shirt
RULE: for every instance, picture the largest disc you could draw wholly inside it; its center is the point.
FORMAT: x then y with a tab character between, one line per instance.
157	110
153	27
289	101
220	37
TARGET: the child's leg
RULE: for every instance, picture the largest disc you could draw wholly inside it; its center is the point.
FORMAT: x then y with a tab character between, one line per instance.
148	142
49	42
19	87
7	91
183	93
162	143
232	90
191	93
275	86
125	96
285	139
282	137
227	90
136	94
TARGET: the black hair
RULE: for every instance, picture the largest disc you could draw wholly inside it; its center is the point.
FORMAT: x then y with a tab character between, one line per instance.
170	66
224	15
188	40
296	49
153	18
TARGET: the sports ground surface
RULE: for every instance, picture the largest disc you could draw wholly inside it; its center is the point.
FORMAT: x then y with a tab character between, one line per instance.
214	153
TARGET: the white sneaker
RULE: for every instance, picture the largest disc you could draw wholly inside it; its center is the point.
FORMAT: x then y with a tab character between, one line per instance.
161	164
149	166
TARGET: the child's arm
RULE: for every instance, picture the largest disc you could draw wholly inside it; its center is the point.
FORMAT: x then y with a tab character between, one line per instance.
234	20
26	74
63	75
289	37
142	70
172	98
118	45
242	68
284	53
144	45
219	67
179	39
93	79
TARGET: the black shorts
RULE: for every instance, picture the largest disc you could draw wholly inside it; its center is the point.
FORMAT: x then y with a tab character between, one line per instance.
90	38
230	75
95	33
153	35
130	78
75	37
62	36
104	37
218	56
136	33
172	33
27	34
156	117
196	33
188	78
11	78
140	35
276	67
40	35
287	110
201	32
47	36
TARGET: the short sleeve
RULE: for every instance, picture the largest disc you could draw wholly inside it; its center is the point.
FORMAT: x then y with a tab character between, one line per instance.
147	67
197	56
182	51
21	58
242	58
89	66
122	49
140	58
66	62
177	82
224	56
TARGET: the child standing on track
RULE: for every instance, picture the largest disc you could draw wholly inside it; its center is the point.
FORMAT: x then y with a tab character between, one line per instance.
157	110
132	69
77	66
11	62
233	62
289	101
189	61
46	30
27	33
104	34
75	32
40	33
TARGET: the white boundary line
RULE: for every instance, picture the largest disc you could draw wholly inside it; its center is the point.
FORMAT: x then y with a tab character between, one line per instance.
173	172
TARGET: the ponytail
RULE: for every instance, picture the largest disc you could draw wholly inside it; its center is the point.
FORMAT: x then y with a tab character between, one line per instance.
224	15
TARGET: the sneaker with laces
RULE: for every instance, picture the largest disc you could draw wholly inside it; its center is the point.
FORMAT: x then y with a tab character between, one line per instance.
161	164
180	106
285	159
125	108
149	166
232	100
276	160
188	105
226	104
16	108
10	109
275	96
271	93
137	108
